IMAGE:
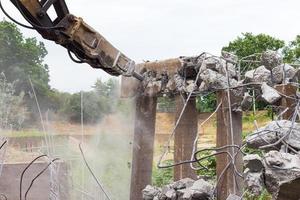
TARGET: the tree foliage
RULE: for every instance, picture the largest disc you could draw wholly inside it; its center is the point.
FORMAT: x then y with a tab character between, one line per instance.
101	101
292	51
22	59
245	45
249	44
12	109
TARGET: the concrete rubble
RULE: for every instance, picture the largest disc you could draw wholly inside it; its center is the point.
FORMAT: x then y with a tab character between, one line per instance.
185	189
253	174
218	73
269	94
271	59
278	169
272	132
233	197
278	172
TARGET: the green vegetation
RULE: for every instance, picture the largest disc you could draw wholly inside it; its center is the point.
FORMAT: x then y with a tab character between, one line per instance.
22	60
249	44
12	111
103	100
207	103
162	177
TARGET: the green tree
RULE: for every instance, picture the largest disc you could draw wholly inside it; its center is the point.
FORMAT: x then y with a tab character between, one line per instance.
93	108
103	100
207	103
12	109
22	58
249	44
292	51
243	46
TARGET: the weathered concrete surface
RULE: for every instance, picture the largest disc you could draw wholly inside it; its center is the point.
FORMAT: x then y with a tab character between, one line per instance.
227	184
272	132
10	181
269	94
233	197
283	74
282	175
185	135
185	189
258	75
143	145
130	86
253	174
290	91
271	59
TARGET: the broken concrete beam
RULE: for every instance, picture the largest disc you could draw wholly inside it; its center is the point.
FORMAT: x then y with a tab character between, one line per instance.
130	86
282	175
269	94
272	132
213	81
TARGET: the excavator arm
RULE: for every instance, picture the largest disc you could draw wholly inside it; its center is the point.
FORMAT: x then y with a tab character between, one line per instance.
76	36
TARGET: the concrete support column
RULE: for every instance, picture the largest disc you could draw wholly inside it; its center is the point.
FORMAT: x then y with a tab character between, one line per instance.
186	133
227	184
288	90
143	145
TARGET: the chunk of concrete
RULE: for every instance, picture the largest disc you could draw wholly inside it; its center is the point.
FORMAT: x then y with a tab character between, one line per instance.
233	197
215	80
271	59
171	194
247	102
282	175
254	182
202	189
150	192
184	183
272	132
179	82
283	73
260	75
269	94
253	162
191	85
185	194
153	88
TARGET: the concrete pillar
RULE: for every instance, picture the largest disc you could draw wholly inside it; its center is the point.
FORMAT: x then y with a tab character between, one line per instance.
288	90
186	133
227	185
143	145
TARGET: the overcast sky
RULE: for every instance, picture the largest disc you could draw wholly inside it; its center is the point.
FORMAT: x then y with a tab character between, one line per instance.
161	29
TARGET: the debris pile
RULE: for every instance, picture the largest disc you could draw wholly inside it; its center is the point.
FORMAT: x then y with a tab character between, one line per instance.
206	73
279	169
184	189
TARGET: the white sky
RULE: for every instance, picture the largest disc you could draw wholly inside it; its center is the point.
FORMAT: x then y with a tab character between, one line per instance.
160	29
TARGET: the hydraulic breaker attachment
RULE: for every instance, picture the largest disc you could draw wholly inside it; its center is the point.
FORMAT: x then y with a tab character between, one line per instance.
76	36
